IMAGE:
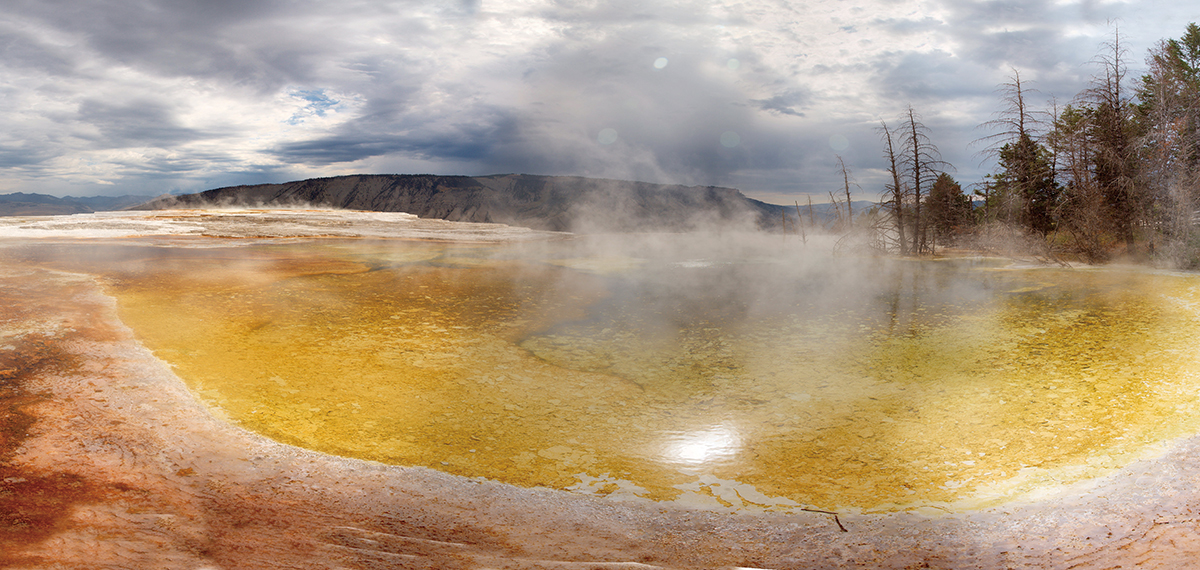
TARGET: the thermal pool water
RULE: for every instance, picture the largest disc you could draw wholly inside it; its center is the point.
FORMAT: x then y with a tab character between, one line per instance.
709	374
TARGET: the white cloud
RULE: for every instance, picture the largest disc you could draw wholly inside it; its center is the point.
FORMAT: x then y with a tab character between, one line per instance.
190	94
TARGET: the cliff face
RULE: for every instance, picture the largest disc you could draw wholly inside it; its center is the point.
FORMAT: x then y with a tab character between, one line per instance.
557	203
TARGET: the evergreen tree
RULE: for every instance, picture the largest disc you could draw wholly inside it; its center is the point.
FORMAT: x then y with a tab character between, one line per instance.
1081	207
1025	187
949	209
1112	131
1170	112
1024	190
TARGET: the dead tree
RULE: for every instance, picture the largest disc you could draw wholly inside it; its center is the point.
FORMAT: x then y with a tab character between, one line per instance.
922	163
894	191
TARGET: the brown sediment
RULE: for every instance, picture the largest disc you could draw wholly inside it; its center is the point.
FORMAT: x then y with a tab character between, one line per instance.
32	505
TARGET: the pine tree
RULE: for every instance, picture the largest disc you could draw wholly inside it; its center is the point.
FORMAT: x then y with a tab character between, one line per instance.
1024	190
949	209
1112	132
1026	185
1170	111
1081	208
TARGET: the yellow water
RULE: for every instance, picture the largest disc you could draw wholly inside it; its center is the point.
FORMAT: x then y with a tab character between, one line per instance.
943	383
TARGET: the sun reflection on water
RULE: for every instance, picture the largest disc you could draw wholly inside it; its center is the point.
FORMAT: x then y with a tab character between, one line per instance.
716	445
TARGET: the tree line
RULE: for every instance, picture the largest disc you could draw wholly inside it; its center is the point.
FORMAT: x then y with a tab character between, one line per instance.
1116	171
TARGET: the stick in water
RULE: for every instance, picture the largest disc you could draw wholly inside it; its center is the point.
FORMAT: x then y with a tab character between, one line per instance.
835	517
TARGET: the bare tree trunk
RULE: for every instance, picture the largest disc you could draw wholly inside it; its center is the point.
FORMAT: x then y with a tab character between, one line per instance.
846	183
923	163
837	211
917	167
1172	144
800	224
896	188
1116	164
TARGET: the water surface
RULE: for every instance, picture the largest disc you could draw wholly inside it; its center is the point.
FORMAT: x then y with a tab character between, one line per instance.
738	379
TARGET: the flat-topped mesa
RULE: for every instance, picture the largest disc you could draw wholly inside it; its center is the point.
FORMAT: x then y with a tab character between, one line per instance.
556	203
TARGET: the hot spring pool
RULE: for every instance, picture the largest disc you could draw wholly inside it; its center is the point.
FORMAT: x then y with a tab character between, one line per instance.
653	370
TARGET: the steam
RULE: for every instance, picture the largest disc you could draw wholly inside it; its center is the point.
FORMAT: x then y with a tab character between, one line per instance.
718	347
248	222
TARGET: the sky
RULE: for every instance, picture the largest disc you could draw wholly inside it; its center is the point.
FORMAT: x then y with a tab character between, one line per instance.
113	97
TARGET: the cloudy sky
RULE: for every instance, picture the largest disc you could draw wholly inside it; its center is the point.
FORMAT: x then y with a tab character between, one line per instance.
154	96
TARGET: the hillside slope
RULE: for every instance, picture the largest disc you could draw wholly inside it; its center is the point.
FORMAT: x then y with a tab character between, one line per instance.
21	204
557	203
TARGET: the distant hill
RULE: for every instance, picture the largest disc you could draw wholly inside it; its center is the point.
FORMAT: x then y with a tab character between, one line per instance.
825	213
21	204
556	203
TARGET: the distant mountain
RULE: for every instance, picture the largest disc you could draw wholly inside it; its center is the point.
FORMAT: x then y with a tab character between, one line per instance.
21	204
826	213
557	203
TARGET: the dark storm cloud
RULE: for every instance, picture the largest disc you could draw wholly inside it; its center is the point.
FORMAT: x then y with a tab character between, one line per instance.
186	37
1039	37
19	49
930	78
112	58
469	143
668	119
134	123
786	103
990	38
25	159
172	166
391	121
